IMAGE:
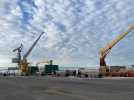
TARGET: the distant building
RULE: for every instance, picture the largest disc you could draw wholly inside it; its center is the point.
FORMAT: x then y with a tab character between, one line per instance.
117	68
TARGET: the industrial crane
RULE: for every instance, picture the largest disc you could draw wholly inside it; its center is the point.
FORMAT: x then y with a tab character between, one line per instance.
22	62
104	70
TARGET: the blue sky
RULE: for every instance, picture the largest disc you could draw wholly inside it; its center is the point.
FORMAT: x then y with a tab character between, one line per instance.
75	30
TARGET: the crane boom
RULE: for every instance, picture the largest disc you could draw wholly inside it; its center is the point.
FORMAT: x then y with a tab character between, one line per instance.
30	49
104	51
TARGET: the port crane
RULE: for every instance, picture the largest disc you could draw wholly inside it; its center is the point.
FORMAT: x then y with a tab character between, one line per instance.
23	65
104	70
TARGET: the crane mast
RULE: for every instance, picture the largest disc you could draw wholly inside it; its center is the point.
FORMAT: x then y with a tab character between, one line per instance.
104	51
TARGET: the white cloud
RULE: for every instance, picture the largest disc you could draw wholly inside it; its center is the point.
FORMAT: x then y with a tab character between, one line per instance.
16	11
75	29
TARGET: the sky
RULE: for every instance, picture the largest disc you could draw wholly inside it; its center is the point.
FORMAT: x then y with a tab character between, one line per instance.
75	30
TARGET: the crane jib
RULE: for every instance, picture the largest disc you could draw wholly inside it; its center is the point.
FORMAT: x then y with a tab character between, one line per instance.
30	49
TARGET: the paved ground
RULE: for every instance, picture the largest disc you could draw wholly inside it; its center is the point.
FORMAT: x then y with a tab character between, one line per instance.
41	88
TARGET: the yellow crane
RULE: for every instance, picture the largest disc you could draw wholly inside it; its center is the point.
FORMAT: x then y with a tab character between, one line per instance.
104	70
23	63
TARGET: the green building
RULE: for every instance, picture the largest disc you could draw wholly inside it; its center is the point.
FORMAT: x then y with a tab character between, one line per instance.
49	69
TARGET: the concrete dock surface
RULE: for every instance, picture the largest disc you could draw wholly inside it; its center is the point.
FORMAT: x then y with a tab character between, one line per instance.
49	88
